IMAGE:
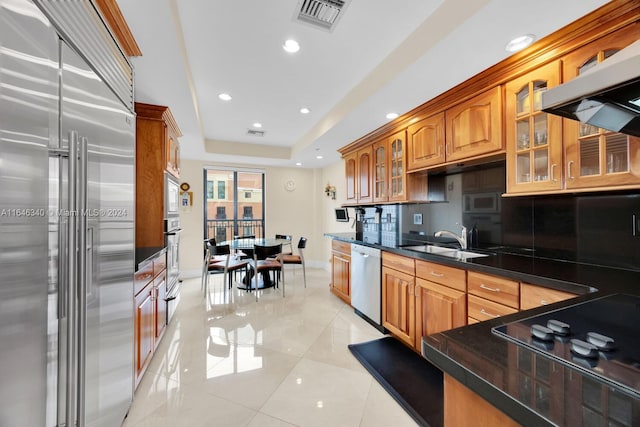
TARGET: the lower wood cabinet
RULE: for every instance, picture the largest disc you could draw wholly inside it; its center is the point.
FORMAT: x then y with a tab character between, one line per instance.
398	312
463	407
532	296
144	330
150	311
438	308
341	270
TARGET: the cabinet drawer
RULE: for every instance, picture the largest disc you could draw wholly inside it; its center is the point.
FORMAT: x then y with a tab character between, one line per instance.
494	288
399	262
482	309
142	277
448	276
159	264
535	296
340	246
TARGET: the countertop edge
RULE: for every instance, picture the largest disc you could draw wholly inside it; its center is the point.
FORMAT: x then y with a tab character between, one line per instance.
496	397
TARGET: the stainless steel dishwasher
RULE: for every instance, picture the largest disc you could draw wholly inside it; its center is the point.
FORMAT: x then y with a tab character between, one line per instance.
366	290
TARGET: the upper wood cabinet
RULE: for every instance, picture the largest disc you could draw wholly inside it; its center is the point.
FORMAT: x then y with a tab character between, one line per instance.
474	127
155	129
381	171
173	155
596	157
533	138
425	143
378	173
358	171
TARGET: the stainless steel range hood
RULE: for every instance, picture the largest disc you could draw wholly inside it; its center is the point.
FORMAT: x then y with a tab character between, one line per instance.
606	96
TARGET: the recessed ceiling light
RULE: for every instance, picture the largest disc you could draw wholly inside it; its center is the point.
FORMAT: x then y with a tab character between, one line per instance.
318	157
305	110
225	97
257	125
298	163
520	43
391	116
291	46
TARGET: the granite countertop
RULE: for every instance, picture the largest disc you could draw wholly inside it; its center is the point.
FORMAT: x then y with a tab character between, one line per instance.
146	254
531	388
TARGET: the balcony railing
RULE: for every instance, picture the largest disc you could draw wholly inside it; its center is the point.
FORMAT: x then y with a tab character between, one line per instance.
227	229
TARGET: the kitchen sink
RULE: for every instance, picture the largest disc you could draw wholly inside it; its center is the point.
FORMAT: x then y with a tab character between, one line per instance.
448	252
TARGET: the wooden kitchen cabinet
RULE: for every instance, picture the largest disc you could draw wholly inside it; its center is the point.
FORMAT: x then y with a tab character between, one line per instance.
425	143
150	313
341	270
596	158
144	330
160	306
381	171
491	296
155	131
438	308
474	127
533	137
532	296
398	301
463	407
359	175
173	155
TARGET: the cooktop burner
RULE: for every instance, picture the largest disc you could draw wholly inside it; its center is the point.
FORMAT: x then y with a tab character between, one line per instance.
600	337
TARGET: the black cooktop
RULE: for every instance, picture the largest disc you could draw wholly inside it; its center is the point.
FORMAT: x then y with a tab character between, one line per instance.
600	337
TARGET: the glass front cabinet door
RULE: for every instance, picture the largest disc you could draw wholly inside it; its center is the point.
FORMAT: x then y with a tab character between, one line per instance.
597	157
534	138
397	160
380	171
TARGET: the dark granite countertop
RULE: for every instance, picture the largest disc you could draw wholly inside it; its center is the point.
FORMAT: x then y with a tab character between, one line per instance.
146	254
529	387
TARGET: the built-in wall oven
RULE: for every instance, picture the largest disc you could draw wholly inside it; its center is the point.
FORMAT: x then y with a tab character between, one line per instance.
172	242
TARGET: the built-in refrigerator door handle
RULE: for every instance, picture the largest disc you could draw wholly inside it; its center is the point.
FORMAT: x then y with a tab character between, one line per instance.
71	293
82	213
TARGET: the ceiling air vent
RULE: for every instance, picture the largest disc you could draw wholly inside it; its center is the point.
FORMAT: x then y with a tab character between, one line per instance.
320	13
255	132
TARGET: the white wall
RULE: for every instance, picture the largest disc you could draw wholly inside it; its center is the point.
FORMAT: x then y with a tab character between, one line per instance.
306	211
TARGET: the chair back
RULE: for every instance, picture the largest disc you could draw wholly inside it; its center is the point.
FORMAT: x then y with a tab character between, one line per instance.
262	252
302	243
221	250
284	236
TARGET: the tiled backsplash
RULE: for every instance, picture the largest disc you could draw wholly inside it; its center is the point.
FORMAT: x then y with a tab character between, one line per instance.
587	228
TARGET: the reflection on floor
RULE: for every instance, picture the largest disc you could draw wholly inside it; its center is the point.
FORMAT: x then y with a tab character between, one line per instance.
229	361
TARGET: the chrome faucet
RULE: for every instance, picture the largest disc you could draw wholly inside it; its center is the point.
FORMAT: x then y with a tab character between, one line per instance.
462	239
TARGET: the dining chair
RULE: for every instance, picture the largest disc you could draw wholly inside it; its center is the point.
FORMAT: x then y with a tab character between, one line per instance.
267	258
297	259
289	239
245	253
222	261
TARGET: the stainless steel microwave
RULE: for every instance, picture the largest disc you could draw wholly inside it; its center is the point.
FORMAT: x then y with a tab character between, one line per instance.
481	203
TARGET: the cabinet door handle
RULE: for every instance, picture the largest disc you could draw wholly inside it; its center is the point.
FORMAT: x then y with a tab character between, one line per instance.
569	169
483	286
553	173
486	313
433	273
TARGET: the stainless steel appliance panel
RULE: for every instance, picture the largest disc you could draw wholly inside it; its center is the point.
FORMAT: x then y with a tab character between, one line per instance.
28	121
366	289
106	129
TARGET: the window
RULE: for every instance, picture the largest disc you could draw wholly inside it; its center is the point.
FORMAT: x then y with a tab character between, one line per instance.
234	203
209	190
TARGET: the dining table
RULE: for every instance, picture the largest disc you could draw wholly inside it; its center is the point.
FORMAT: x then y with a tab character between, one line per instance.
246	246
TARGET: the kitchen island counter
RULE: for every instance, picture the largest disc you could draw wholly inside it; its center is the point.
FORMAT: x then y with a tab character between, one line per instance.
530	388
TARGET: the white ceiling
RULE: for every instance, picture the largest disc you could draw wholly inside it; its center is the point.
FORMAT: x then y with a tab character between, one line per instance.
382	56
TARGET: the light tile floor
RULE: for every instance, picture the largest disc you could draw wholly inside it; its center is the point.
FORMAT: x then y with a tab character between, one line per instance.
229	361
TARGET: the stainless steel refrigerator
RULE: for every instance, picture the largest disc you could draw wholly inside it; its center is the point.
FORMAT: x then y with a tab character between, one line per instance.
67	144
